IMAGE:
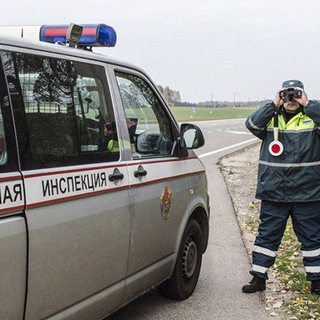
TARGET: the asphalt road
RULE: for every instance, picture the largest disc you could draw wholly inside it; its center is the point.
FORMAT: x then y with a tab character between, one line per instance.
225	264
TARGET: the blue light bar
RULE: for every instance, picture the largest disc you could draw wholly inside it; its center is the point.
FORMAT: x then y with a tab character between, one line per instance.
93	35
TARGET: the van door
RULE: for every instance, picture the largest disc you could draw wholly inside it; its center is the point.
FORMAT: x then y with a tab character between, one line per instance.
13	234
157	182
77	203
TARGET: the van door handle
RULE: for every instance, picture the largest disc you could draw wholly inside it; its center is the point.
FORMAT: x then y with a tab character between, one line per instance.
116	175
140	172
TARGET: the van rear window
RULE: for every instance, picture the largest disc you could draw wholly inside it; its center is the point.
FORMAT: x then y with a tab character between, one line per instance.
62	108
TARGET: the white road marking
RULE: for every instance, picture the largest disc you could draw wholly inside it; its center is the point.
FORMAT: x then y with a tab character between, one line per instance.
226	148
238	132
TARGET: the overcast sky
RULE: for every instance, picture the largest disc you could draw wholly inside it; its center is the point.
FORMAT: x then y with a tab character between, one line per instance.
224	48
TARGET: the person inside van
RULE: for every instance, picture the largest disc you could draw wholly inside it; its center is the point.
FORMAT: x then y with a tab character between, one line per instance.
113	143
106	137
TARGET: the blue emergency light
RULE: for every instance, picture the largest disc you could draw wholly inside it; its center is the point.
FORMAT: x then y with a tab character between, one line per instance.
93	35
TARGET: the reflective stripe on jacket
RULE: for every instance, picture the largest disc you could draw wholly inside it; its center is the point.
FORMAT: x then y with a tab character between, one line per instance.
294	176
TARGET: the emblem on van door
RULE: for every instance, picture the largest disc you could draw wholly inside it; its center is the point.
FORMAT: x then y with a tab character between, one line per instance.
166	201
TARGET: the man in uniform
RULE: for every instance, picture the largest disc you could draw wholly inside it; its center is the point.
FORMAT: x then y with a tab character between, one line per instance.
288	180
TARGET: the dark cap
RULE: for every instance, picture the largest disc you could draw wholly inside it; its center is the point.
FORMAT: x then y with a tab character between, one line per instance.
292	84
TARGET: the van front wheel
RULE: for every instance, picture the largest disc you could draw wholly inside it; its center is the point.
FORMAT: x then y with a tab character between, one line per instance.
187	269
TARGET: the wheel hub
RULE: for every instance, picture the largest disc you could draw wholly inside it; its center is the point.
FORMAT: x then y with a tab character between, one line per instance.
189	260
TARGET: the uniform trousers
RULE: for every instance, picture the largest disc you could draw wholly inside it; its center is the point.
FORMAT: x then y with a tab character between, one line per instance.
305	218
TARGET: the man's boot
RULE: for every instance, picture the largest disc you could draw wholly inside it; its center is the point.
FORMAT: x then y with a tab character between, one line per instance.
315	287
256	284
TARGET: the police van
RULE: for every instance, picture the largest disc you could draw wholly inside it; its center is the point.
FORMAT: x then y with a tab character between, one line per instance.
101	195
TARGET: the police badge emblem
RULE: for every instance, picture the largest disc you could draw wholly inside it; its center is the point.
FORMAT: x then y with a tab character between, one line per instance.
166	201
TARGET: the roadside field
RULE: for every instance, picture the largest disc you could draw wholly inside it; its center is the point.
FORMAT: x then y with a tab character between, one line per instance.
198	114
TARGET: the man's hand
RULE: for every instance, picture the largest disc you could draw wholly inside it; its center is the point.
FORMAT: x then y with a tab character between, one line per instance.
304	99
278	101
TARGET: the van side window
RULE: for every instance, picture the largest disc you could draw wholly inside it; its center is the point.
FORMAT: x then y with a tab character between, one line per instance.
3	147
8	149
66	108
149	125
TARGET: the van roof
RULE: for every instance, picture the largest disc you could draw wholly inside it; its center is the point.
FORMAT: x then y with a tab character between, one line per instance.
61	49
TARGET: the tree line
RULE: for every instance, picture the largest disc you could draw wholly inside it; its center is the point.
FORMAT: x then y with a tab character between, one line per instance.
173	98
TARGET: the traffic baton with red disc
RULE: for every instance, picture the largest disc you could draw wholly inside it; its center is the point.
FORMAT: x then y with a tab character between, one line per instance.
276	147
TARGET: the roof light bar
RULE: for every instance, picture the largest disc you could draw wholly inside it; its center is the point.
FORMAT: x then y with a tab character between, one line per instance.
93	35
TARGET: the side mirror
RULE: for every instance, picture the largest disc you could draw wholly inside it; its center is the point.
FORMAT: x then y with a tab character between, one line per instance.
191	136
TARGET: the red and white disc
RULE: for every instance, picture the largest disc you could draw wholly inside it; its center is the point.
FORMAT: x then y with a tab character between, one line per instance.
276	148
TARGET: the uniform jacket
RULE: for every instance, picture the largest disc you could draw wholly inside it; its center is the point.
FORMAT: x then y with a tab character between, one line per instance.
294	176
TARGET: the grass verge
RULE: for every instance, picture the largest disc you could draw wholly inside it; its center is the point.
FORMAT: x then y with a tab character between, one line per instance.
190	114
288	292
292	291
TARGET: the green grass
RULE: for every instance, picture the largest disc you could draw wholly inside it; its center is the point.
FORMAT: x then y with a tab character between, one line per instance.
191	114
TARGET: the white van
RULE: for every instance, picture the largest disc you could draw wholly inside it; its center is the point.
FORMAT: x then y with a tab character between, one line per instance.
101	196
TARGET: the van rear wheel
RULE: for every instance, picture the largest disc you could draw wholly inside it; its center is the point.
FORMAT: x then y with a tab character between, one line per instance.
187	269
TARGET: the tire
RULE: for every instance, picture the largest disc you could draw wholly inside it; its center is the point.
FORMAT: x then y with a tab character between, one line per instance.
187	269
